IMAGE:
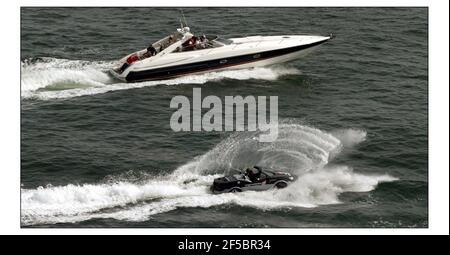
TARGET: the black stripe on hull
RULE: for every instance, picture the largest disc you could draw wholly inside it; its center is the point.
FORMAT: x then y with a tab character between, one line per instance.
173	71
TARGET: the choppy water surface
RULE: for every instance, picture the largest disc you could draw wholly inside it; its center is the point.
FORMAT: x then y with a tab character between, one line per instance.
100	153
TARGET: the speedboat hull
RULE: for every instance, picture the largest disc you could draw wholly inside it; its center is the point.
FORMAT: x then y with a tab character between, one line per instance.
242	53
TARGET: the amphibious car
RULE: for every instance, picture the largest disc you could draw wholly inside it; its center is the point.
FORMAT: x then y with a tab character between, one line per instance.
255	178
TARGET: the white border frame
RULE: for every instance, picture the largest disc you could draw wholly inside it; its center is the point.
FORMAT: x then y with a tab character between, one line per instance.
438	120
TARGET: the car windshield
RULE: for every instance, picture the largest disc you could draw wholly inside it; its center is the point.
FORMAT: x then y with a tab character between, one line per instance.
268	173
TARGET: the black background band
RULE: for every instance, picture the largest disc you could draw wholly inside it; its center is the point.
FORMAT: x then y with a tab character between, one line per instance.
279	244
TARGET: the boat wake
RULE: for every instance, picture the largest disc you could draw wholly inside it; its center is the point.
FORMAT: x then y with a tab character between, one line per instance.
301	150
51	78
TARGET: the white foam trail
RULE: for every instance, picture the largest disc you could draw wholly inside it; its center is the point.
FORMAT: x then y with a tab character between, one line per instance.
188	186
68	201
314	188
350	137
50	71
52	78
79	203
243	150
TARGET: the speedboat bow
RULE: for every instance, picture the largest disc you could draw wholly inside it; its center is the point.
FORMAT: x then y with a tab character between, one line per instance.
182	53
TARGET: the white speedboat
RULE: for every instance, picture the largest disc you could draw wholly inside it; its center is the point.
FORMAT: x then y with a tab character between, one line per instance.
182	53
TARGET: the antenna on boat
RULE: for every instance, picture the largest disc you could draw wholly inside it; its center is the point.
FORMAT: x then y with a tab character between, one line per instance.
183	21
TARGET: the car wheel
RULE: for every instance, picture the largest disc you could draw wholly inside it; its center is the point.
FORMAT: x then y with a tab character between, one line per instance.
234	190
281	185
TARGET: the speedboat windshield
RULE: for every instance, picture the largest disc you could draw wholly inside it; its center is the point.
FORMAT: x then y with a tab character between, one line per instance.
201	42
223	41
167	41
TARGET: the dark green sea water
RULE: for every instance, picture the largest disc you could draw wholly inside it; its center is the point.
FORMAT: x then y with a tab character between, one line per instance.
99	153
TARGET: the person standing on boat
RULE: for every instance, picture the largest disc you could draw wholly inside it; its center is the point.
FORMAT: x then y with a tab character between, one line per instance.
190	44
201	43
151	51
